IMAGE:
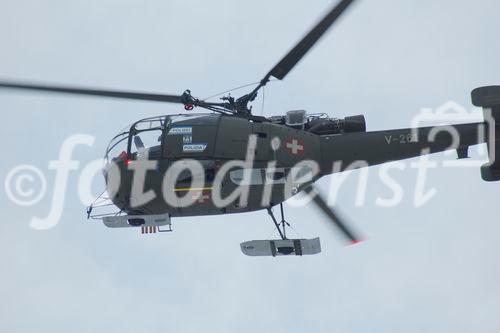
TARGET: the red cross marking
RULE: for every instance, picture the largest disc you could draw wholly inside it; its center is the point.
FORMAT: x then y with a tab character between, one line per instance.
294	146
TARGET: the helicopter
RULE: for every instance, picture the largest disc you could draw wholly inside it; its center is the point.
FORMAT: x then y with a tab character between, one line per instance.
268	157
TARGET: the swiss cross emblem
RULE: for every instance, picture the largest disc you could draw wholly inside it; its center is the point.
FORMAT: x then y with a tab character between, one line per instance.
294	146
201	196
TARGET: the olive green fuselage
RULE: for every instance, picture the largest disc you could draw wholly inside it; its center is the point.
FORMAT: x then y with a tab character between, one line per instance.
215	140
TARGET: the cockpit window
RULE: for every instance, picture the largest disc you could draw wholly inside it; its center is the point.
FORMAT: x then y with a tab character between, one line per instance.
148	135
141	137
193	120
147	141
117	146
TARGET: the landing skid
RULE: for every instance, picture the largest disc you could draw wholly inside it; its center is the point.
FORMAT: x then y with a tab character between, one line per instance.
283	246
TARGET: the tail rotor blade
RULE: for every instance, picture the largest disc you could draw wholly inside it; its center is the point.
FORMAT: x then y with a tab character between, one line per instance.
323	206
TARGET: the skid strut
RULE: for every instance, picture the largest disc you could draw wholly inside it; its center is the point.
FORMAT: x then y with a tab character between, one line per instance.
283	246
281	227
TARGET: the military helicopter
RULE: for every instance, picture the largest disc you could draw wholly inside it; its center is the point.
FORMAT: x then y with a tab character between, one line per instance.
275	145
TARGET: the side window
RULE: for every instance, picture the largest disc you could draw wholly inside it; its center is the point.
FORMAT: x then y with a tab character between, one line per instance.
148	141
276	176
271	176
185	178
255	177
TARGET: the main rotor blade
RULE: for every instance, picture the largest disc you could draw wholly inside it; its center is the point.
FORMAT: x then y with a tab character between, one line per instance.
323	206
292	58
91	92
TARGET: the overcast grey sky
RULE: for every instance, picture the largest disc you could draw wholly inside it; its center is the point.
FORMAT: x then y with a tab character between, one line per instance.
429	269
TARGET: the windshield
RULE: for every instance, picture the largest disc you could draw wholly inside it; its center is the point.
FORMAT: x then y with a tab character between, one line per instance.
142	135
146	135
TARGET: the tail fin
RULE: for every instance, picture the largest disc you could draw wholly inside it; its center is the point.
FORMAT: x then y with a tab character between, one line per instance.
489	99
